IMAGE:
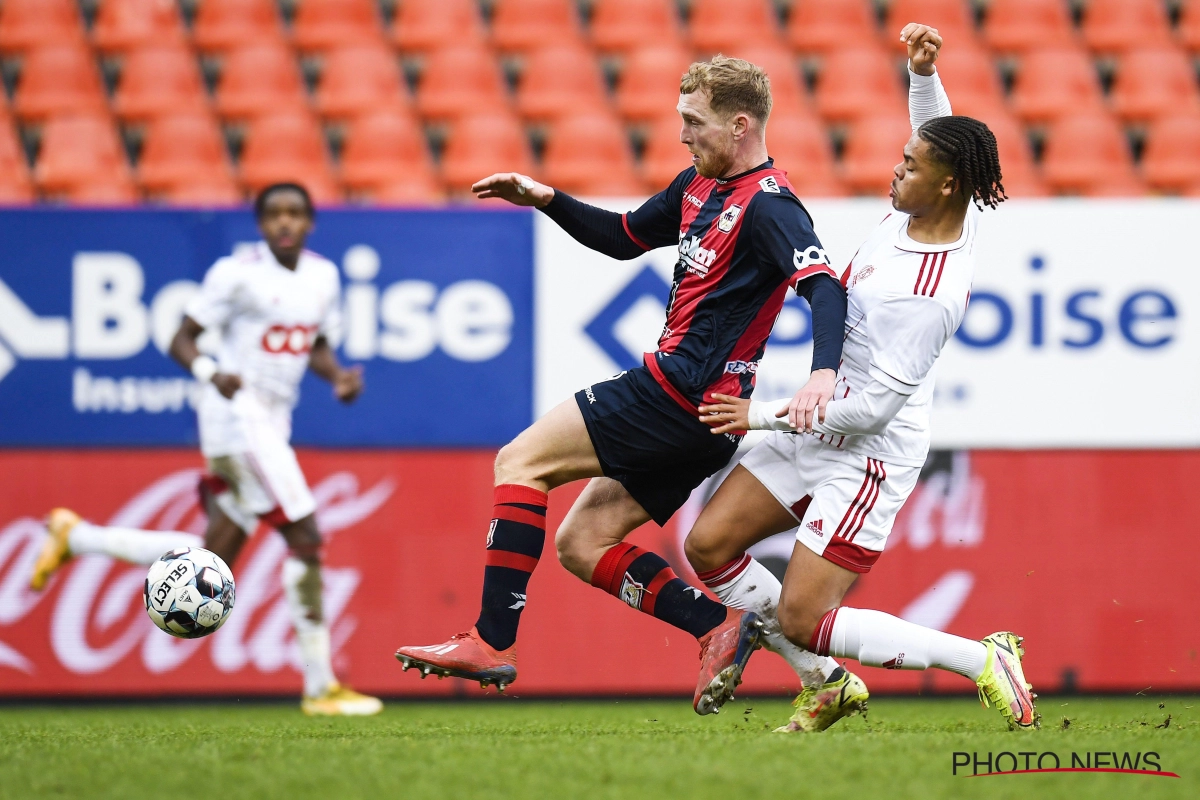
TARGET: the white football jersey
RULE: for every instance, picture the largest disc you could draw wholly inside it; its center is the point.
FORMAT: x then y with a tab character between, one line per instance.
905	299
266	317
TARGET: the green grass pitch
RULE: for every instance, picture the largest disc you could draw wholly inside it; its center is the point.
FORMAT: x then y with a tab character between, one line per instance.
501	748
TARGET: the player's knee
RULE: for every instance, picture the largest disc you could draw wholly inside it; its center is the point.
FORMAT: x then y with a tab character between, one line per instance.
703	553
303	540
513	464
575	553
797	622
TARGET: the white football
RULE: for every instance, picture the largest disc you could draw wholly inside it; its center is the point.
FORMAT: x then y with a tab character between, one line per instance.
189	592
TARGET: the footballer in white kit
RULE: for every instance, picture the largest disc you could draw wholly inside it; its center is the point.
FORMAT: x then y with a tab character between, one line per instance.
844	471
274	310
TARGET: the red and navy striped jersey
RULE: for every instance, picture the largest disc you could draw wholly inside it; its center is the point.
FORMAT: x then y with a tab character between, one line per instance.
742	242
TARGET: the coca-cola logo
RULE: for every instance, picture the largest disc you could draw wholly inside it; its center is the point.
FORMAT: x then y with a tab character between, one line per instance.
294	339
98	617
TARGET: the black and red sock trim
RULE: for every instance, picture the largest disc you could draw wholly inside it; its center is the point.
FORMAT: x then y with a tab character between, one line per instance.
514	545
645	581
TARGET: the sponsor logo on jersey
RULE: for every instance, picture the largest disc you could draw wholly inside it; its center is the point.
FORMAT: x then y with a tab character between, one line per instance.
695	257
816	527
740	367
295	339
806	258
691	198
729	218
769	184
632	592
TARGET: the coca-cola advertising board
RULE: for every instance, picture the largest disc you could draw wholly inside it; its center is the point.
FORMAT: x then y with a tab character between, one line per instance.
1090	556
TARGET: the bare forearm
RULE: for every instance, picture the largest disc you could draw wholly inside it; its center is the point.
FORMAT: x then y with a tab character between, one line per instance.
183	346
323	361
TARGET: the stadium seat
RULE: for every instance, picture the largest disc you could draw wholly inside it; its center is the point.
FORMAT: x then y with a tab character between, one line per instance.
288	147
480	145
952	18
460	79
358	80
1055	82
210	192
1014	26
1117	25
1019	174
1188	29
58	80
81	154
799	145
229	24
15	184
102	193
157	81
424	25
874	146
183	149
648	86
1152	82
259	80
721	25
818	26
126	24
385	149
560	80
788	95
26	24
618	26
1083	152
1171	158
970	77
856	81
589	154
324	24
527	24
664	156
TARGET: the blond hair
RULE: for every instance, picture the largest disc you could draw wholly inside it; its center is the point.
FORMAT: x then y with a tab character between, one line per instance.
732	85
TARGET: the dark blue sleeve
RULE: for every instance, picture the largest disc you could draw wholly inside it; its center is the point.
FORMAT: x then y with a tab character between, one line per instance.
827	300
656	222
594	228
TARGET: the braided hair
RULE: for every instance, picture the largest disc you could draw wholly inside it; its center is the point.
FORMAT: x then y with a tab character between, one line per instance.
968	148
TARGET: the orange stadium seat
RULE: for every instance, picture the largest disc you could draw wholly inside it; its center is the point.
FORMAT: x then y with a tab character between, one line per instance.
1086	152
480	145
125	24
288	147
952	18
25	24
664	156
80	155
386	154
358	80
788	95
228	24
259	80
1055	82
526	24
648	87
460	79
1116	25
1013	26
62	79
422	25
560	80
818	26
1019	174
970	77
1152	82
322	24
857	81
800	146
589	154
1189	25
1171	158
623	25
182	149
721	25
211	192
15	184
874	146
157	81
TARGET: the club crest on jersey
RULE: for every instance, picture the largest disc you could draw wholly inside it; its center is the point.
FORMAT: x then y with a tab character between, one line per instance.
769	184
862	275
632	592
729	218
695	257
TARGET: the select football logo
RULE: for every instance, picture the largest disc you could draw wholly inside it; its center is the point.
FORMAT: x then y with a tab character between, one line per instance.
974	765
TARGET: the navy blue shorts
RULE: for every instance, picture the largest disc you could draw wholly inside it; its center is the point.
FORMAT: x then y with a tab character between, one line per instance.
648	443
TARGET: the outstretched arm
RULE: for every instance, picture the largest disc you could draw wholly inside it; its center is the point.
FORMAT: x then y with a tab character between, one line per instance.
926	97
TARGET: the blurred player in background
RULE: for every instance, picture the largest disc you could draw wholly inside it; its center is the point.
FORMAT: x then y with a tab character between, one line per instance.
744	239
844	476
276	307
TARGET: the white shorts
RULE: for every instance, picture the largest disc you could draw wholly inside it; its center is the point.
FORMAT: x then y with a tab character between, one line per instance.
845	502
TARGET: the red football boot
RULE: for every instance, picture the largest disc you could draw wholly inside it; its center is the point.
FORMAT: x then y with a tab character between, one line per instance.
466	655
724	652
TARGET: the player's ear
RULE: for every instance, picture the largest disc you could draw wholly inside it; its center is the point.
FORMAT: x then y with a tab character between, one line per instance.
949	186
741	125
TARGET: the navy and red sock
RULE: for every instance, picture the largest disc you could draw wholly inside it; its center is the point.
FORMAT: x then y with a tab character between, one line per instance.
514	545
645	581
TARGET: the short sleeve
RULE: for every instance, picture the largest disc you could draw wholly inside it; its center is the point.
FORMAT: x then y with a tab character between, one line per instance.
656	222
906	335
331	323
784	238
214	304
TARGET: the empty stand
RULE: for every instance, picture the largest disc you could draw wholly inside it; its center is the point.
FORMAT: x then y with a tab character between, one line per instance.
26	24
16	187
458	80
423	25
952	18
788	95
857	81
664	156
183	149
358	80
288	147
874	146
323	24
623	25
229	24
124	24
819	26
970	77
1188	29
157	81
1087	154
1171	159
1152	82
721	25
211	192
384	151
1018	172
799	145
589	154
527	24
82	158
648	87
57	80
1053	83
478	146
1013	26
1117	25
558	81
259	80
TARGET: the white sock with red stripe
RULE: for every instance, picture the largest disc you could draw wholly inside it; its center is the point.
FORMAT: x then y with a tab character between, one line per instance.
881	640
128	544
747	585
302	588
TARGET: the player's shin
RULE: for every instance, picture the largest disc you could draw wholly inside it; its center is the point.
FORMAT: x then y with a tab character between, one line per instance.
514	545
881	640
746	584
645	581
302	588
128	544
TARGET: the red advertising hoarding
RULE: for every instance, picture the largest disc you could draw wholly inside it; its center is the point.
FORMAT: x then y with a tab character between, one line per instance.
1090	555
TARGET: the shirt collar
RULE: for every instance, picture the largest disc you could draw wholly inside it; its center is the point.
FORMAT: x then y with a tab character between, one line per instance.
909	245
768	164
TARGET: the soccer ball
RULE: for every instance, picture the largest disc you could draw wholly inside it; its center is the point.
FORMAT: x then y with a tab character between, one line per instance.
189	592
